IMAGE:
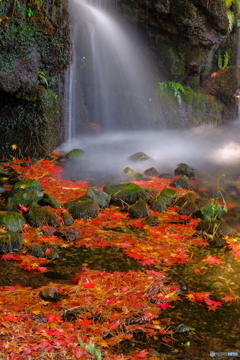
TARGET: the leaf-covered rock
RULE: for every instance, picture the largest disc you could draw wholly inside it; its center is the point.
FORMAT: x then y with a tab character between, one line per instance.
24	198
39	216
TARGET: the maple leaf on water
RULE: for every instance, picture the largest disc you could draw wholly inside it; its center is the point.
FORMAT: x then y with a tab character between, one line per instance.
164	306
212	305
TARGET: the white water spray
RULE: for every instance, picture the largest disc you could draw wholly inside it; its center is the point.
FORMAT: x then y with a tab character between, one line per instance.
112	80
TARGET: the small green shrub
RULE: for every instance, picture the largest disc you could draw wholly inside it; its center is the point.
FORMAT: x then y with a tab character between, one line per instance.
177	88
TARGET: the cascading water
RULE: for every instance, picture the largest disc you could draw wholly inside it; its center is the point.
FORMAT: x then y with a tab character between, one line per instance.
111	81
111	88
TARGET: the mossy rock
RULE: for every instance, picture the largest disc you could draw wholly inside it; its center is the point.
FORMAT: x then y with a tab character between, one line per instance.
165	176
169	195
182	183
36	250
138	210
41	216
69	204
151	172
49	200
182	200
126	193
139	156
26	185
184	169
84	210
68	219
25	198
70	234
188	208
128	170
10	241
75	154
12	221
215	227
159	204
102	198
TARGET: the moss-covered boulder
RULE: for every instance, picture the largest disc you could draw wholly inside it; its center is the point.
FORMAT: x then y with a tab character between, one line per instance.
182	183
48	200
159	204
10	241
26	185
23	198
151	172
169	195
184	169
102	198
126	193
139	156
215	227
39	216
151	220
12	221
138	210
83	210
67	219
70	234
36	250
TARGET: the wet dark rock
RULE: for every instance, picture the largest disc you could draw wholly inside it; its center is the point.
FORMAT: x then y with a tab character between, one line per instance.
215	227
67	219
182	200
165	176
36	250
188	208
102	198
139	156
49	294
39	216
151	172
182	183
10	241
138	210
24	198
151	221
184	169
159	204
12	221
83	210
49	200
70	234
126	193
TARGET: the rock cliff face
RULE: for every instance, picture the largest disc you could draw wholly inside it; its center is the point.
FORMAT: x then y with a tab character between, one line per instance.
191	38
35	50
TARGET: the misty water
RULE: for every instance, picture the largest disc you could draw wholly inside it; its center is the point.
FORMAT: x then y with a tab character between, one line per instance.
111	83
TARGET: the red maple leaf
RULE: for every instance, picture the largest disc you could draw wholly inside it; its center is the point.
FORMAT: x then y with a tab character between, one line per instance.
213	260
148	262
10	317
164	306
85	322
7	257
142	354
53	317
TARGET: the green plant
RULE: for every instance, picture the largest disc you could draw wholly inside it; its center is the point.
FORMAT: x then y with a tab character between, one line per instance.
223	60
91	349
231	19
30	12
173	86
42	76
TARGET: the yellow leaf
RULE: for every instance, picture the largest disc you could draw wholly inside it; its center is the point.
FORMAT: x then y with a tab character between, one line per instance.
14	146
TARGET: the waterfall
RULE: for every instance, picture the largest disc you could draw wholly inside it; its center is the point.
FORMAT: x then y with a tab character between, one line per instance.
112	80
